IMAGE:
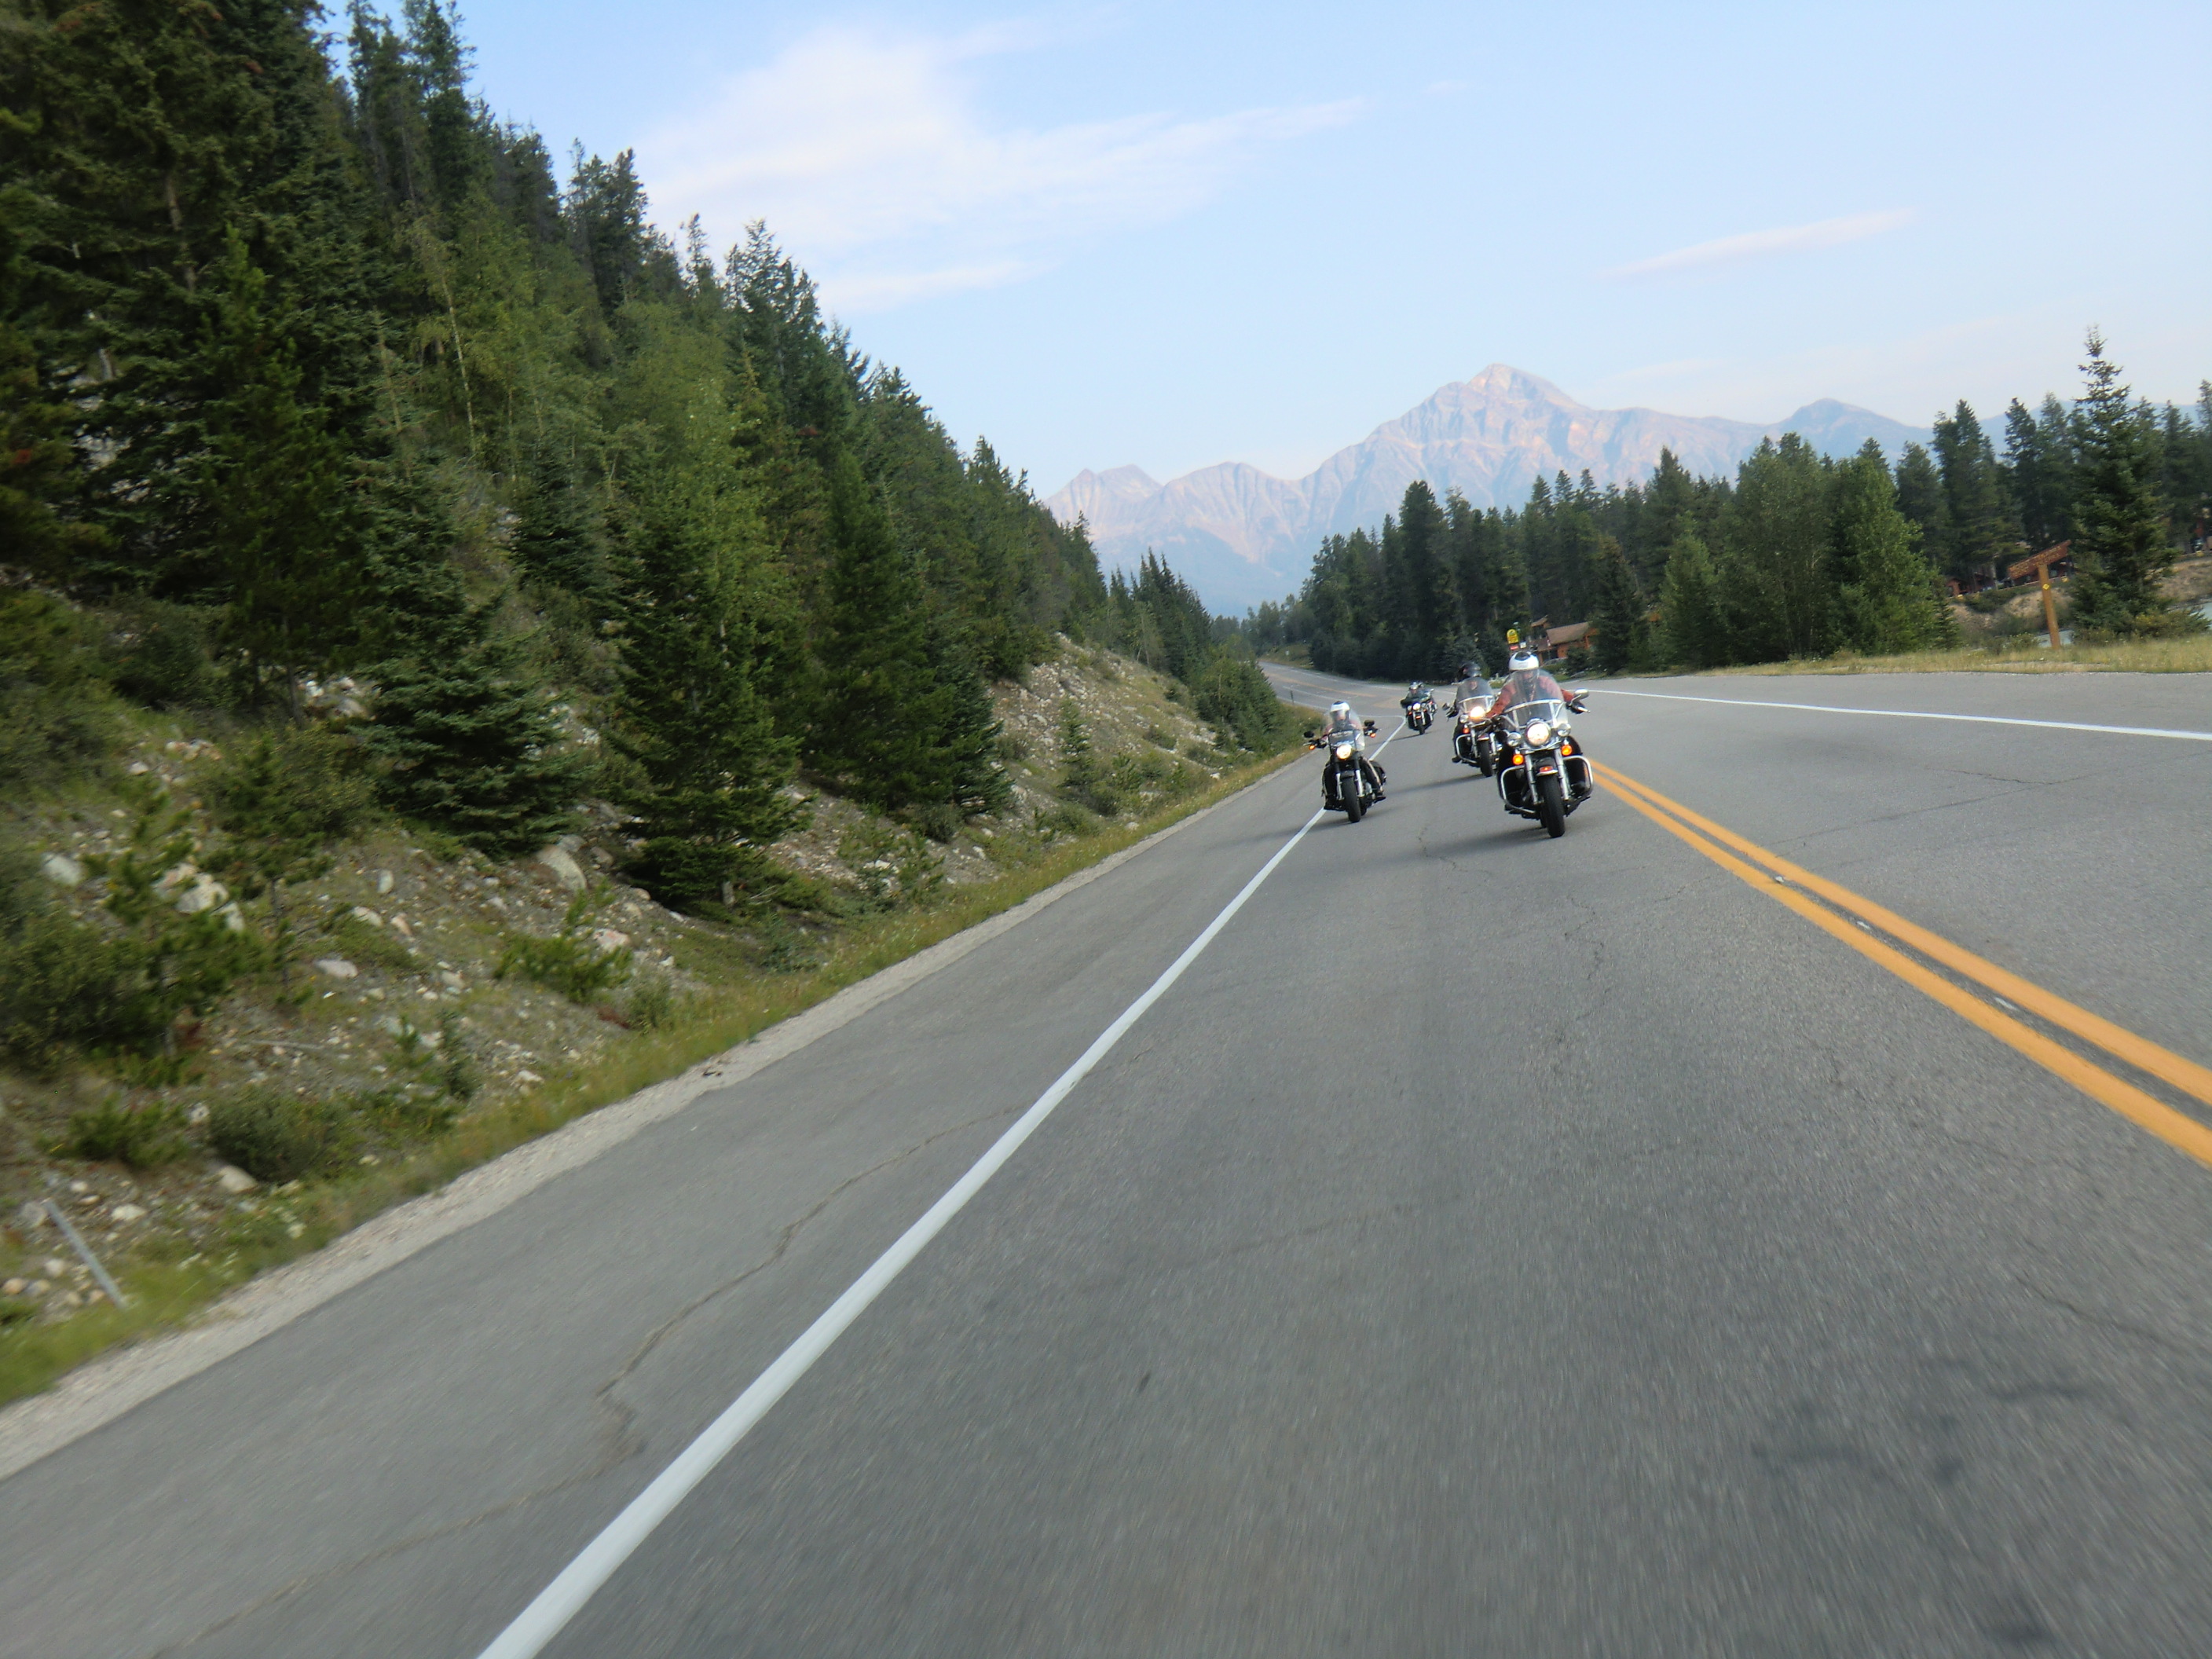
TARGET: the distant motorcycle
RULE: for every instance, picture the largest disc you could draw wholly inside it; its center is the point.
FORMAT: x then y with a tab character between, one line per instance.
1420	716
1344	785
1542	773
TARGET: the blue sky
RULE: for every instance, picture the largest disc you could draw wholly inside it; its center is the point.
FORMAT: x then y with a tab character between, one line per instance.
1175	234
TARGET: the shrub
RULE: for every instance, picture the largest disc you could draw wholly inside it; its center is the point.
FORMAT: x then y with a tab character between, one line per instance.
117	1134
571	961
651	1004
57	715
360	941
162	659
275	1137
68	984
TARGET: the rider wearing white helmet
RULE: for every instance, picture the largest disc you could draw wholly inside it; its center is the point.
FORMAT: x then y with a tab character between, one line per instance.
1344	726
1525	680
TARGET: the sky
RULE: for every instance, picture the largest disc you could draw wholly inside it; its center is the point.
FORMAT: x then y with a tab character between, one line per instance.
1172	234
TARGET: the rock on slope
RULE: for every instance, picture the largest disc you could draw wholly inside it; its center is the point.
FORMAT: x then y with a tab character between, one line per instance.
1239	535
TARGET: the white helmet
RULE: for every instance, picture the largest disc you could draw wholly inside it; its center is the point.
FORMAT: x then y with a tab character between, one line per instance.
1340	707
1522	658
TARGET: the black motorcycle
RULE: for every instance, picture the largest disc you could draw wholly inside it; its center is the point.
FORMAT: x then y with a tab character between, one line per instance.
1476	744
1345	786
1420	715
1542	773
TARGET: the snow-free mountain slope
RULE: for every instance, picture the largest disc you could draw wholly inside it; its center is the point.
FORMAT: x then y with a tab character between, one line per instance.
1240	535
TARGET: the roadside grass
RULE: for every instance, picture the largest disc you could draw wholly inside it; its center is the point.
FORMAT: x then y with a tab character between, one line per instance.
300	1217
2189	655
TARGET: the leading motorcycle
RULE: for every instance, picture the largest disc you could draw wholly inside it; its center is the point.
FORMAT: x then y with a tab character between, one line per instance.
1542	772
1344	785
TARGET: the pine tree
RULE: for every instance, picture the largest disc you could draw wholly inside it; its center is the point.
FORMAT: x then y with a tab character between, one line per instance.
2039	468
556	541
1689	606
1619	616
710	764
1976	526
1772	577
1884	594
1920	498
474	748
892	723
270	482
2120	547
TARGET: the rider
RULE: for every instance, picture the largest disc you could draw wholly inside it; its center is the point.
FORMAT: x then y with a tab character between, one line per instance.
1343	726
1525	681
1472	688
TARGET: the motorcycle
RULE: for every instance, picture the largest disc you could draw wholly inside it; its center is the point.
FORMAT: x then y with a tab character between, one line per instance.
1542	772
1473	743
1344	786
1418	715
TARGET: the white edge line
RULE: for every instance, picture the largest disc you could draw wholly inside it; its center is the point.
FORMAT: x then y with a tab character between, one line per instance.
549	1611
1924	715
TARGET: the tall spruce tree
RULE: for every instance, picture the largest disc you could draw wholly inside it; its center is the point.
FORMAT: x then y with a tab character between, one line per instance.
1689	606
1885	599
2120	548
1621	622
2039	471
272	485
710	765
1977	528
895	719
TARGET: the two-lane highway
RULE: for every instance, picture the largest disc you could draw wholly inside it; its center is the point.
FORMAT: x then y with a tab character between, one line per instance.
1485	1244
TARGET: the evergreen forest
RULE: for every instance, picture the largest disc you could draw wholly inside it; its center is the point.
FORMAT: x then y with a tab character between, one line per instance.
318	375
1799	555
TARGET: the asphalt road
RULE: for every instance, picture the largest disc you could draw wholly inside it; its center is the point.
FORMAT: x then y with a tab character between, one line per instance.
1489	1245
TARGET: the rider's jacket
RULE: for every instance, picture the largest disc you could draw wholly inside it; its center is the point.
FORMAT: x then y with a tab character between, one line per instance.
1524	685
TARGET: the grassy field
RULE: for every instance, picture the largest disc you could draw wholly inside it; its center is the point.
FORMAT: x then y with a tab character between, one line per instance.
2191	654
303	1216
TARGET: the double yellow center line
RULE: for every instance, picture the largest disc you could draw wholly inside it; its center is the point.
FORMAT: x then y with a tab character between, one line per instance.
1838	910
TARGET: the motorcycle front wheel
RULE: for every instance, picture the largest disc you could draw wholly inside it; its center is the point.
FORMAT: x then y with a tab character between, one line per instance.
1551	805
1355	805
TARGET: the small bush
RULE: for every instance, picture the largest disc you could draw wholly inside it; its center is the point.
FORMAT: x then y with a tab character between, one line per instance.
1160	740
785	948
651	1004
1066	818
162	657
143	1138
360	941
571	961
276	1136
1011	748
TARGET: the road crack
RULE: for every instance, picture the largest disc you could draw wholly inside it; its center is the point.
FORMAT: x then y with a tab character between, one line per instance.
616	1441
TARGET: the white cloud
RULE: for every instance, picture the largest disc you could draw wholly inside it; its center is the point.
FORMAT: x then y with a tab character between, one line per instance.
1762	243
871	159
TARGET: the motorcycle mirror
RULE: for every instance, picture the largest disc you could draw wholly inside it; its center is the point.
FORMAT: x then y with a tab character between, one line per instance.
1309	731
1368	727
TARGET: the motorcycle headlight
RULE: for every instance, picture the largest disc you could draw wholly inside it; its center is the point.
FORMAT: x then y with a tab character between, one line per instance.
1344	751
1539	733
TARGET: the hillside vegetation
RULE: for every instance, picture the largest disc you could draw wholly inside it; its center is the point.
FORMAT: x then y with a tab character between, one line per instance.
461	651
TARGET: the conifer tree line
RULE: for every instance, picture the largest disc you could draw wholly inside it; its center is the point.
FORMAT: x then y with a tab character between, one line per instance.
314	367
1797	555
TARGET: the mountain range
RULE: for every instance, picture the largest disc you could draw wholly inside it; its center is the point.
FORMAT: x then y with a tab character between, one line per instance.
1239	535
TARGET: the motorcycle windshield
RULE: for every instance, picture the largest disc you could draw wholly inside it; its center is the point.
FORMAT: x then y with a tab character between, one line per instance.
1553	711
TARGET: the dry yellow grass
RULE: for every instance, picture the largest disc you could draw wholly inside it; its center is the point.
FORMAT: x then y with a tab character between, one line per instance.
2191	654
